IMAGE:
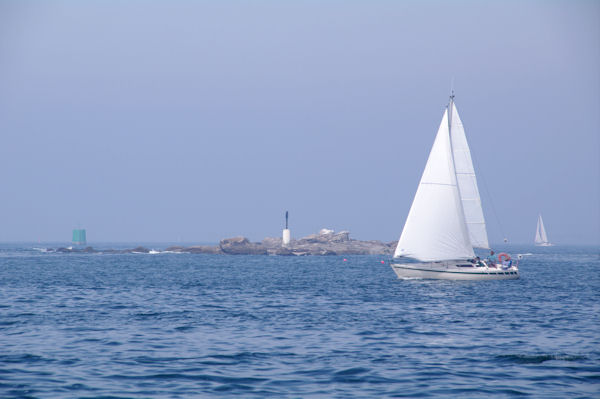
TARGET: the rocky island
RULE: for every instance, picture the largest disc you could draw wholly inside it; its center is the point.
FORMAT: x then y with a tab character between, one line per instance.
326	242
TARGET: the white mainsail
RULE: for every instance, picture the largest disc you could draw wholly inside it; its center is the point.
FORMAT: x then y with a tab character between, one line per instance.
467	182
435	228
540	233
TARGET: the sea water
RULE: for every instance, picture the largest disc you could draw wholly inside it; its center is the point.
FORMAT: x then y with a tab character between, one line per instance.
182	325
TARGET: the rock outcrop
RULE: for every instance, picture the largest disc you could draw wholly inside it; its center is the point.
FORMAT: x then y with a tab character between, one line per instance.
326	242
241	246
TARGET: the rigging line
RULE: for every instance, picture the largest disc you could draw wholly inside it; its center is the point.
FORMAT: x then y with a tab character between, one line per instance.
487	192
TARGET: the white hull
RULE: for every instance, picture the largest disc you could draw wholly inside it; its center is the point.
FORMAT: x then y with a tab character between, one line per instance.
544	244
452	271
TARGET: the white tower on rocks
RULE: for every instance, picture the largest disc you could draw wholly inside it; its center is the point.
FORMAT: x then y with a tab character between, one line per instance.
286	232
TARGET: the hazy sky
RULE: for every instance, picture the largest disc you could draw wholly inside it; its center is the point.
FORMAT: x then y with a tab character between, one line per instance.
199	120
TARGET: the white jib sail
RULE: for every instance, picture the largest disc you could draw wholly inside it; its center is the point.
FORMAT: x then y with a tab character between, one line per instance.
435	228
540	232
467	182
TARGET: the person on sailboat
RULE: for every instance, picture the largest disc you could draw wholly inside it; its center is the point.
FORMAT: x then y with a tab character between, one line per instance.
491	259
476	261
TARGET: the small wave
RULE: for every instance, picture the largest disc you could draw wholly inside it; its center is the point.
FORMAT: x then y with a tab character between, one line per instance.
154	252
242	356
352	371
184	328
194	377
79	387
158	360
149	314
24	358
232	387
351	375
315	372
368	332
539	358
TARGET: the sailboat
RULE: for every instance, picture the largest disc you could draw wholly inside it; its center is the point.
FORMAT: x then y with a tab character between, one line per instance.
541	239
445	221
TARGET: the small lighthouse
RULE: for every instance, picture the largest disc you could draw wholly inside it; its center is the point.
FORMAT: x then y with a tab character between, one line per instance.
79	237
286	232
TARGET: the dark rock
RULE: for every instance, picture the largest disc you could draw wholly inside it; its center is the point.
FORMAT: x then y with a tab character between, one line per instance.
202	249
175	248
241	246
281	251
235	241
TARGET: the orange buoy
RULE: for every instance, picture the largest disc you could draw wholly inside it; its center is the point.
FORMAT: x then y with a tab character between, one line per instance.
503	256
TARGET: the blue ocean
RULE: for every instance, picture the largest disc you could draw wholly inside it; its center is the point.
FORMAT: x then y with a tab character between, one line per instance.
167	325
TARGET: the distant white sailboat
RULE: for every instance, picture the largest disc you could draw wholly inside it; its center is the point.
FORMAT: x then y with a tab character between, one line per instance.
541	239
446	220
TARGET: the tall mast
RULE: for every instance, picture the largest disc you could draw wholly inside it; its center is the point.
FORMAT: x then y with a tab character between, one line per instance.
450	105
